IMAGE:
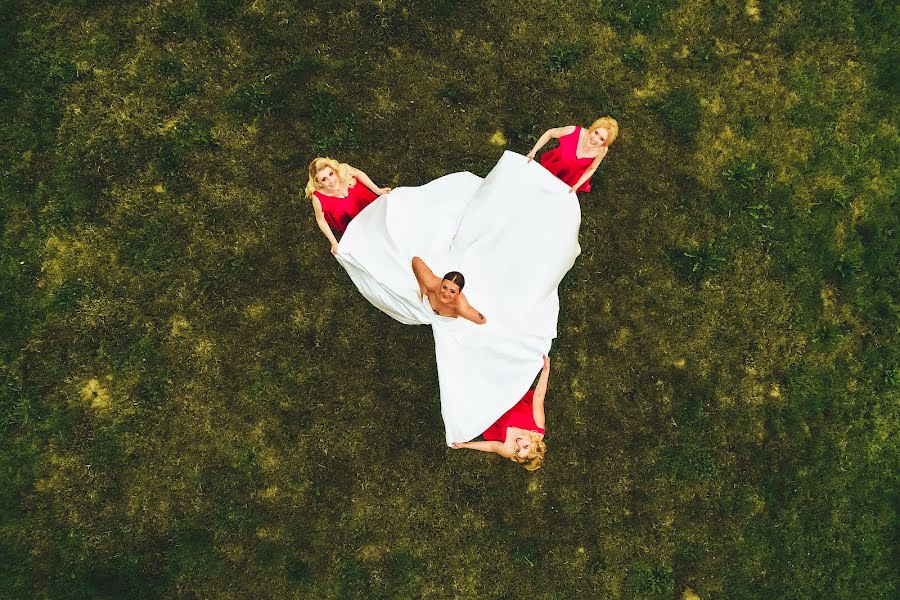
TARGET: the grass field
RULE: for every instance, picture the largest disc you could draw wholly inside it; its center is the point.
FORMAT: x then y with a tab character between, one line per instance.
196	403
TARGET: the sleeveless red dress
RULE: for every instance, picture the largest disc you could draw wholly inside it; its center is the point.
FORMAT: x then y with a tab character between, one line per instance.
340	211
520	415
562	161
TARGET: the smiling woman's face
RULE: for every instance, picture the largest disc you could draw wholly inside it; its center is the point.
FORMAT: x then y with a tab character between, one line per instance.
327	179
522	445
598	137
449	291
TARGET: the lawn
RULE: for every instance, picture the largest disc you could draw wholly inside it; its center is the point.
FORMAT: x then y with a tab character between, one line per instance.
196	402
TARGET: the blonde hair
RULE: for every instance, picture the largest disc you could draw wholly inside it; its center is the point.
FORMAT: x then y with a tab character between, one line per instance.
535	457
610	125
342	170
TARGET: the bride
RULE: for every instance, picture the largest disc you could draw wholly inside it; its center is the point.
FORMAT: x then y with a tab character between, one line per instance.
445	292
514	234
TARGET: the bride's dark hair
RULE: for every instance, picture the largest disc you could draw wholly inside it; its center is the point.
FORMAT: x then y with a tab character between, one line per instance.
457	278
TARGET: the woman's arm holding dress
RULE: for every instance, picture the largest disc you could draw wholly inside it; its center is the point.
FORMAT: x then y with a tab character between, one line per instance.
323	224
366	181
424	275
486	446
540	390
590	170
556	132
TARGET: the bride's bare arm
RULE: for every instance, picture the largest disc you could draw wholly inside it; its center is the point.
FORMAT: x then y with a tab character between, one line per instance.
466	311
424	275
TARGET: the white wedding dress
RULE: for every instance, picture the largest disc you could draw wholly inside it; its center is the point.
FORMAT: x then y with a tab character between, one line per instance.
514	236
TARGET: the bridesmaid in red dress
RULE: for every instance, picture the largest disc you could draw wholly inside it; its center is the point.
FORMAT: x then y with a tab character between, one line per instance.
336	195
579	152
519	434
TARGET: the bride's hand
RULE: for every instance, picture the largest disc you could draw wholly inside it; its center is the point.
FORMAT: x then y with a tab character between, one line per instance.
334	246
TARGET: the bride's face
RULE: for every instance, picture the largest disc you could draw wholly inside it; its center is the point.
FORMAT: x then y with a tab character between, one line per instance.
449	291
598	136
327	179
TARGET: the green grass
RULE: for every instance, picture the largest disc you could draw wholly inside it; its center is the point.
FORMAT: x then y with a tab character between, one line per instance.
679	111
195	401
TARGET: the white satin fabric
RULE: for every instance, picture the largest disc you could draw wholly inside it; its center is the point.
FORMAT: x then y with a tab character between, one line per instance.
514	236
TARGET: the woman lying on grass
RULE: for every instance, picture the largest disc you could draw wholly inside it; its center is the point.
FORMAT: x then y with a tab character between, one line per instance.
519	434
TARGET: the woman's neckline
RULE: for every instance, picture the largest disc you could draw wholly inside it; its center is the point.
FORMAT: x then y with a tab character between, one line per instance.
434	310
578	142
341	197
349	185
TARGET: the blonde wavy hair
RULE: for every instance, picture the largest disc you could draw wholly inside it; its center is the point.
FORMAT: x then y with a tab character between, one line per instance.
342	170
610	125
535	457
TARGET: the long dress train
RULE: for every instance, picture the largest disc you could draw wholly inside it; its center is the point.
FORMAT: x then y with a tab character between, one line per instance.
514	236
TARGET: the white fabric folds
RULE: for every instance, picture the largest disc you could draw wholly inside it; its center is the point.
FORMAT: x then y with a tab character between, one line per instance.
514	236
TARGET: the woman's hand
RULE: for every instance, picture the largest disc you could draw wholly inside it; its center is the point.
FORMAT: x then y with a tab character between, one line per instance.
572	190
546	363
334	246
530	156
383	191
458	445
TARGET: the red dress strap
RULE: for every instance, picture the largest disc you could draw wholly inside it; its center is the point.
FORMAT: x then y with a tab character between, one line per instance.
573	138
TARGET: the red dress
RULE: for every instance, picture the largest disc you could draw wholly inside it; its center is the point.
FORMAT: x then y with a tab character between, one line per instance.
520	415
562	161
339	211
